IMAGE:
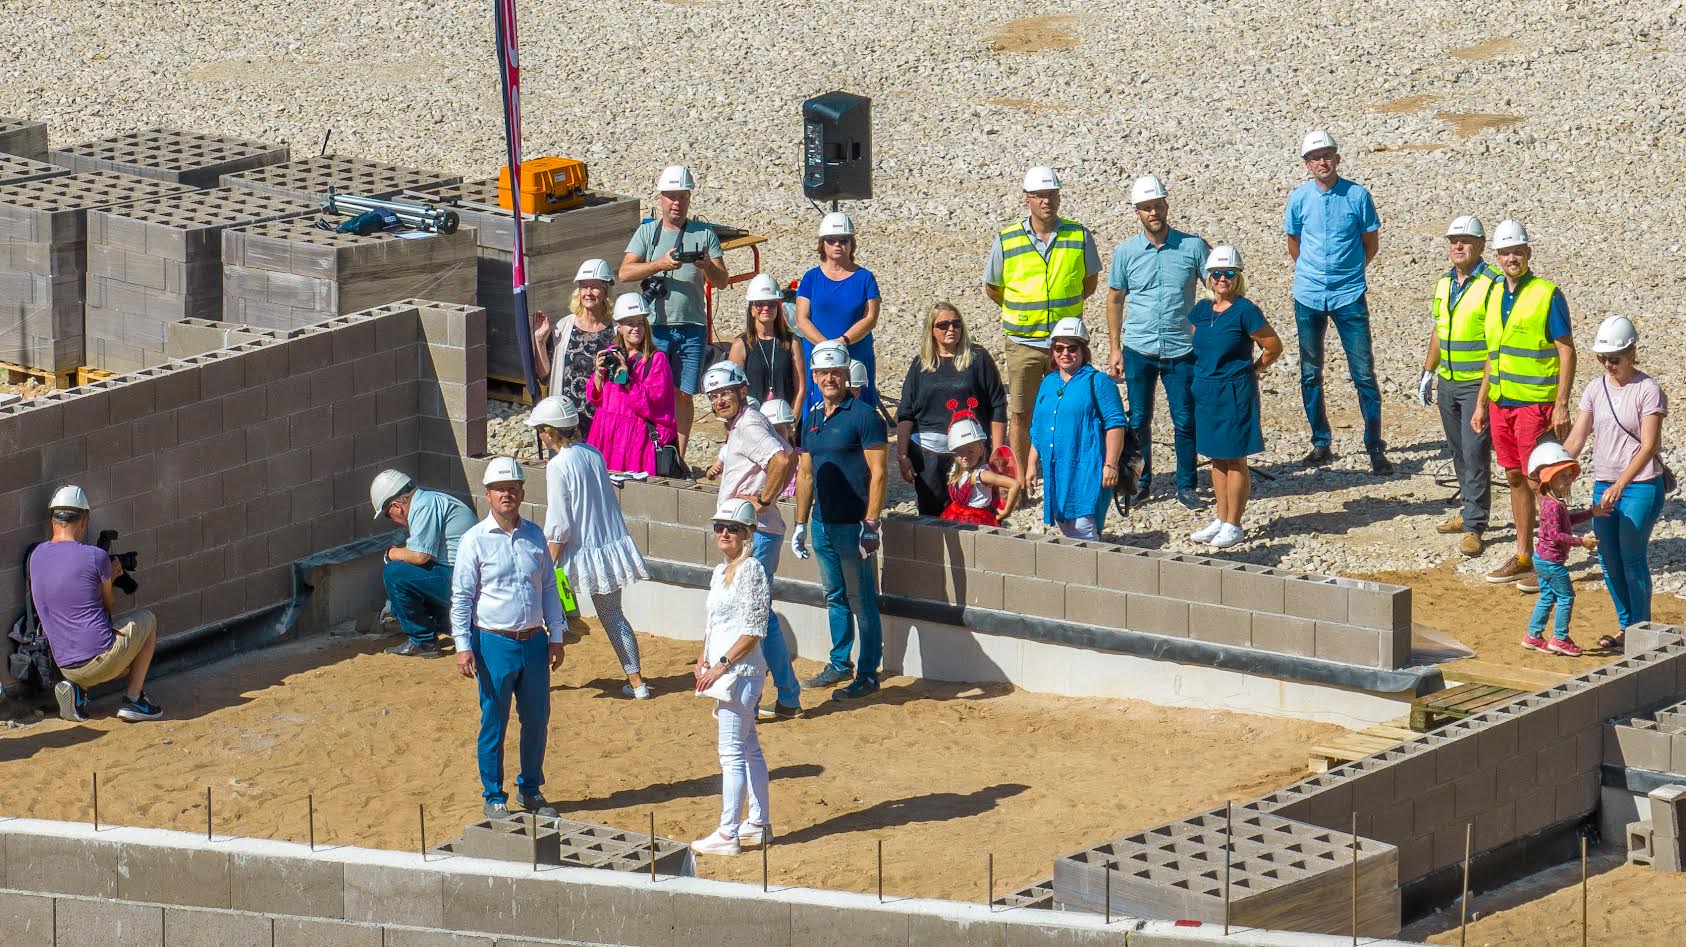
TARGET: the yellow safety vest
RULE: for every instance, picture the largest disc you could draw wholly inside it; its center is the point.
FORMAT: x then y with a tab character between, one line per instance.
1036	293
1520	353
1463	331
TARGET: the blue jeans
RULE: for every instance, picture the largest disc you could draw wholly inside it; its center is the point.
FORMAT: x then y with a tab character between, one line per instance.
1352	323
420	597
1623	540
1177	375
837	547
773	647
505	668
1554	590
686	346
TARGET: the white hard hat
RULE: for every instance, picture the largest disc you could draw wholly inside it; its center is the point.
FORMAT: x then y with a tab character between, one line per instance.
1466	226
1317	140
595	269
1147	188
1071	327
556	411
736	511
837	224
857	374
829	354
1545	454
764	289
1224	257
1509	234
1041	178
389	485
630	306
1615	334
502	470
778	411
69	497
964	431
676	177
723	374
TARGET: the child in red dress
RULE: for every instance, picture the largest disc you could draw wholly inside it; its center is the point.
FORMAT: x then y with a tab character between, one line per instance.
973	486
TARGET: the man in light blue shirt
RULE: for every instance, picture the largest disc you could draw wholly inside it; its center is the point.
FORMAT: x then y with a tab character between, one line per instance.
417	572
508	623
1332	228
1149	295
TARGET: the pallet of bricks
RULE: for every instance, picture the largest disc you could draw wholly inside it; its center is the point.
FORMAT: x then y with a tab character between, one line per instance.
16	169
43	259
23	138
310	179
156	262
556	245
168	154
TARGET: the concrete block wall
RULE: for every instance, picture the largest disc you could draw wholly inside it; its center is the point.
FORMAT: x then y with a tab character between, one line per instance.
1646	744
570	842
155	262
288	273
23	138
186	337
168	154
310	178
43	258
16	168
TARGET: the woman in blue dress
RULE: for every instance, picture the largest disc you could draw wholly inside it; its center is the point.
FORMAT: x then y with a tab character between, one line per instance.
1076	435
1226	387
838	300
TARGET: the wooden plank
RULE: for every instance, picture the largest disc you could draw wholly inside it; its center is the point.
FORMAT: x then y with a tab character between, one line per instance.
1480	695
1503	675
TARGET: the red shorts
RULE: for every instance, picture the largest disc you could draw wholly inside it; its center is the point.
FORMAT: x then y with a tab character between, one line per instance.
1516	431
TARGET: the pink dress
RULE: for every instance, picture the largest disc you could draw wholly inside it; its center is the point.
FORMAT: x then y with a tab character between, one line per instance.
620	428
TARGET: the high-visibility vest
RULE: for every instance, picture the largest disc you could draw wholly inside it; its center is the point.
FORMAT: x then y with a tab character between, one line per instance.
1036	293
1520	352
1463	330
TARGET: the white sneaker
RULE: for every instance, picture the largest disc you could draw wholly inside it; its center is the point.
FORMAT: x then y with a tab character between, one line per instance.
716	844
751	835
642	692
1228	535
1205	533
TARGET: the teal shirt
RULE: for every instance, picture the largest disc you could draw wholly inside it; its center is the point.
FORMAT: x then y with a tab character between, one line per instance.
1158	285
437	522
684	303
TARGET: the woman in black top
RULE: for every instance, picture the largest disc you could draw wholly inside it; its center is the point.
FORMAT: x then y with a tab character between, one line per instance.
950	368
767	350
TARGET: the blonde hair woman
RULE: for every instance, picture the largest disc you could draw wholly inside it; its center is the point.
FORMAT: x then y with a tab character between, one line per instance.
951	373
565	354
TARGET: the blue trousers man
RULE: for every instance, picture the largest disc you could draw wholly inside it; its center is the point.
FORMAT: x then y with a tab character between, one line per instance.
506	669
1141	373
773	646
837	548
1352	324
420	597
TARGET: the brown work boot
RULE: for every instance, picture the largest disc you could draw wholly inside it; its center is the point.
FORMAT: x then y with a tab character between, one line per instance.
1453	525
1513	568
1472	544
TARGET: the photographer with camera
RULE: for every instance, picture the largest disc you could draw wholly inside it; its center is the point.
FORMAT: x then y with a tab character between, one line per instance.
633	392
670	257
71	584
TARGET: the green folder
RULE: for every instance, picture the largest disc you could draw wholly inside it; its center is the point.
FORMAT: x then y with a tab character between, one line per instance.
566	593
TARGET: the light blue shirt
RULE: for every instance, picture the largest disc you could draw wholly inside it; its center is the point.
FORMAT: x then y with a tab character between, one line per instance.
1330	226
504	580
436	525
1158	284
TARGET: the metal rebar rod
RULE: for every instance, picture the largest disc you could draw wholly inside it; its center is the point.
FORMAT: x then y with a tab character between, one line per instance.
1463	901
533	830
1229	830
421	829
653	845
989	891
1583	891
96	784
208	814
310	816
766	843
1106	896
880	871
1355	879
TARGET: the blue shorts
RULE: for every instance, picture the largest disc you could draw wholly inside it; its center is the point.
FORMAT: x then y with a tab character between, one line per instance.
685	347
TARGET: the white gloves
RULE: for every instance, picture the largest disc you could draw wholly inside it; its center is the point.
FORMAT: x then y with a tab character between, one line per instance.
1425	389
799	540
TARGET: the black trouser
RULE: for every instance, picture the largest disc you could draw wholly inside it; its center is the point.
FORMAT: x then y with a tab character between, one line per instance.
930	478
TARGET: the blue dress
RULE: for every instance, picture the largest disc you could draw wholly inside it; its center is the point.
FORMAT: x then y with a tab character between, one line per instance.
1068	429
834	306
1226	426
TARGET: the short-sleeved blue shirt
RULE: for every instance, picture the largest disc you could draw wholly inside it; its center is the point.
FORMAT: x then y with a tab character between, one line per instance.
437	522
837	446
1223	341
1158	283
834	306
1068	429
1330	226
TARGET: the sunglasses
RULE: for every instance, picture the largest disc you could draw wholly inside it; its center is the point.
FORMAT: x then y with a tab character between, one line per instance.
946	325
1614	359
1221	274
1067	347
838	241
729	527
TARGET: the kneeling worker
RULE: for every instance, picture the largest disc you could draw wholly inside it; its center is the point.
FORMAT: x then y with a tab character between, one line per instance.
71	584
417	574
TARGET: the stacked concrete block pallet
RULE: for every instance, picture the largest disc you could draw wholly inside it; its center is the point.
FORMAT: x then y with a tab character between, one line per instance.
23	138
168	154
43	258
152	263
15	169
309	179
1283	875
569	842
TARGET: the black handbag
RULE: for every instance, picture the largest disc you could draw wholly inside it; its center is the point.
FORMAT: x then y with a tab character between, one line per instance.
668	462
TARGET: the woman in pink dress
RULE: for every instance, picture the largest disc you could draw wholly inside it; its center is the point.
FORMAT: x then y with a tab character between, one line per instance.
633	392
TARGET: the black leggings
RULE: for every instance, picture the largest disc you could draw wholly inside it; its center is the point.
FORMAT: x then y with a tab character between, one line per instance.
930	478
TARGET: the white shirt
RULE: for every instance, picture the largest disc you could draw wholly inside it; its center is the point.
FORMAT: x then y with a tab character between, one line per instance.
584	518
750	447
504	581
735	610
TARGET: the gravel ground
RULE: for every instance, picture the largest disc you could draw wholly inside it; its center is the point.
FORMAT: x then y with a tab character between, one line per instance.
1568	125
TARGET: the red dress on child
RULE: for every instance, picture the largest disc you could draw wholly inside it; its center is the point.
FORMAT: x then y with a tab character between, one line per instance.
970	501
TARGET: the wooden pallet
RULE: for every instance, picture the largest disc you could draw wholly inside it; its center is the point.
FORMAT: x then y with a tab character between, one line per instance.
1472	671
85	374
18	374
511	390
1456	703
1358	744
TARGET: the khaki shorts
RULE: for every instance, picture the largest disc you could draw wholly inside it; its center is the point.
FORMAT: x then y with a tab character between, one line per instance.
1025	369
133	631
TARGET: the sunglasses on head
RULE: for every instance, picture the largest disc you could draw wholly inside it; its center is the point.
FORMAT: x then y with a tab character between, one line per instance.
1221	274
946	325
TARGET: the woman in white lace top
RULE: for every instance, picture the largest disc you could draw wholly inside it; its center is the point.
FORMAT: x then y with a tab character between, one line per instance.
587	536
731	670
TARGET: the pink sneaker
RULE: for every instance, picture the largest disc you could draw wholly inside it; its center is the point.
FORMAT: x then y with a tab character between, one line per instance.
1565	647
1534	642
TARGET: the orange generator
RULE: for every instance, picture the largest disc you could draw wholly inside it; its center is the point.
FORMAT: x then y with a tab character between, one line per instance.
547	185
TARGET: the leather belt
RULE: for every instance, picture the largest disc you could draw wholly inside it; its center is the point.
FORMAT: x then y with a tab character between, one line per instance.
521	635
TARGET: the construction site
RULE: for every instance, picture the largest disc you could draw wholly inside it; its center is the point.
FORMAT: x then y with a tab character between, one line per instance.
1327	737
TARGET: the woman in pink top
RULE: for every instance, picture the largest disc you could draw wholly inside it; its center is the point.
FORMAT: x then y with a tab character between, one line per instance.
633	392
1623	411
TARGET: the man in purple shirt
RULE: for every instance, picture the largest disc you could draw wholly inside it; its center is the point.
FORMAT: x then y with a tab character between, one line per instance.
70	584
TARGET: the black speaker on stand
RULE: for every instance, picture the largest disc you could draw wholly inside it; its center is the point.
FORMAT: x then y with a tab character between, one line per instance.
837	147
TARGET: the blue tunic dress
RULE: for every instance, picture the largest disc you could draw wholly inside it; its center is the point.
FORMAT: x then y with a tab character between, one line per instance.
1068	429
1226	427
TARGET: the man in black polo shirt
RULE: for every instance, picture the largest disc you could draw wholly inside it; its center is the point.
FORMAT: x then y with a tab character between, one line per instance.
844	465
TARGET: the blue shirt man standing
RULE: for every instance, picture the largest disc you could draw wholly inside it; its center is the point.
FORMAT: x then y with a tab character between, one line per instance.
1150	292
1332	228
417	571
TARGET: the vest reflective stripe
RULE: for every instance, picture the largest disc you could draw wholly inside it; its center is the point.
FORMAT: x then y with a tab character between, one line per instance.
1463	330
1524	359
1036	293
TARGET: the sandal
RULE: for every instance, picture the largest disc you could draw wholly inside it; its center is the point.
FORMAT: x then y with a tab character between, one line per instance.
1611	642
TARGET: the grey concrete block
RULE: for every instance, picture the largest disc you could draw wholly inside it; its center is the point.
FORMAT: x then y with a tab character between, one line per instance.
614	915
26	920
1255	588
1127	570
191	927
1371	605
1317	598
1638	744
1095	606
109	923
1191	579
173	875
1348	644
308	932
1432	809
501	905
1220	625
815	925
1032	596
1157	615
1006	552
66	865
1065	560
386	894
277	884
415	937
705	921
1667	803
1285	634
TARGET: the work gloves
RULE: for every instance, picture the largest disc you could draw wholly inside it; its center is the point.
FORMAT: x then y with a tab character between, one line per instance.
799	540
1425	389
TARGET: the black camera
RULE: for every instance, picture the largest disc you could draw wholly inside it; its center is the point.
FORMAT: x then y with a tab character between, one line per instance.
130	561
653	287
